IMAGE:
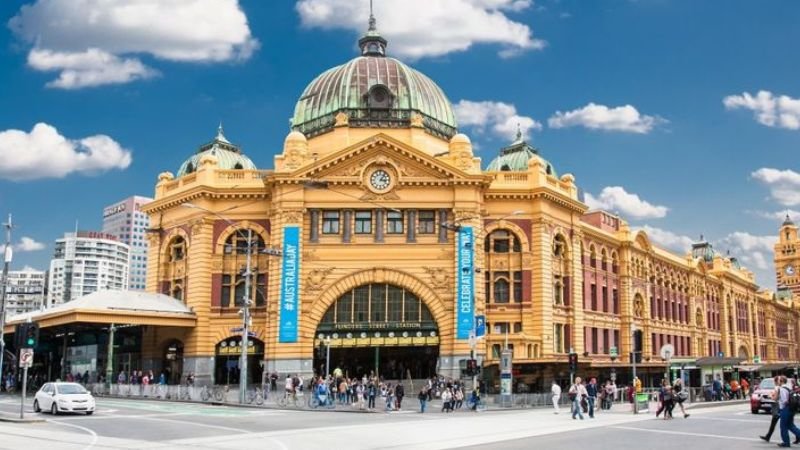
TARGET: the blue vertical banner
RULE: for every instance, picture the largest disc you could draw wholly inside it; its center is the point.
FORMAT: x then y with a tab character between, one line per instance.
465	293
290	284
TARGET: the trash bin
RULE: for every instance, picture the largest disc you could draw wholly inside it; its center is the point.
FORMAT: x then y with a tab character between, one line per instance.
642	402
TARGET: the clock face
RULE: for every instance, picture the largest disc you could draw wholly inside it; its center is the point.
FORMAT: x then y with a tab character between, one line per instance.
380	180
789	270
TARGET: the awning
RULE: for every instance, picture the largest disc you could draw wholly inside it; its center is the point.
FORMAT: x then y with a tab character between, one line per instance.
747	367
716	361
774	367
112	307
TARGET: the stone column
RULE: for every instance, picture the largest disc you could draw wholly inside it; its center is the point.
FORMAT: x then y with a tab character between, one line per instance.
442	230
411	228
347	229
379	225
314	225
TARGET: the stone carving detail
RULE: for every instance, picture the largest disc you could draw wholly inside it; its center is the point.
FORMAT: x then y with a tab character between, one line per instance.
372	197
316	279
216	265
638	307
416	121
341	120
310	255
292	216
440	278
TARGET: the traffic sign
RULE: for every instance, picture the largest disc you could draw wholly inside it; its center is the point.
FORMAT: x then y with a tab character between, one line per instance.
613	352
480	325
25	358
667	351
756	359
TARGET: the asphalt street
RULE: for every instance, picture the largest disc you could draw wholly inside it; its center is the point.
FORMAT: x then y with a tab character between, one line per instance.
124	423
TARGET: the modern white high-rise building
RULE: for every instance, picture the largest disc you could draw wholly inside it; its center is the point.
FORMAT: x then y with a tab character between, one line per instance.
125	221
85	262
26	291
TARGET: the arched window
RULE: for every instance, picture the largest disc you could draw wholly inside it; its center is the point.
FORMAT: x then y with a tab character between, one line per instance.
177	291
189	168
238	166
379	97
501	290
592	257
234	260
177	249
502	241
503	286
558	293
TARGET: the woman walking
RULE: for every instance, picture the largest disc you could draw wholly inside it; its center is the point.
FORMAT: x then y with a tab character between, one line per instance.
577	392
680	395
662	404
423	399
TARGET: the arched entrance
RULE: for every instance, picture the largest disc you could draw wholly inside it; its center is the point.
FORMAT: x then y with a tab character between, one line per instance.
378	328
226	361
172	364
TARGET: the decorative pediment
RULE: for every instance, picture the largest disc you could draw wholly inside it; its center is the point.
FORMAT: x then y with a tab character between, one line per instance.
409	164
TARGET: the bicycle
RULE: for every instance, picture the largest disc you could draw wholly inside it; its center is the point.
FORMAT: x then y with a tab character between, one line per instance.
256	396
221	392
471	403
324	400
205	394
185	393
288	399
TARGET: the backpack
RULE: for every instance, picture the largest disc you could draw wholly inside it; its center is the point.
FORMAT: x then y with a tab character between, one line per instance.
794	400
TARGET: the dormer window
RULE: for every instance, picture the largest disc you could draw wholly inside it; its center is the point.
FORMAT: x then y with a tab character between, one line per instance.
379	97
238	166
189	168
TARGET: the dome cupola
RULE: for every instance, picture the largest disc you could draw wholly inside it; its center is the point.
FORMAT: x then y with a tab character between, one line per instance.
374	91
515	157
227	155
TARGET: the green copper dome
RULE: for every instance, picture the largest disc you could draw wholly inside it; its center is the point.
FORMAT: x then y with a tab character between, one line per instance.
703	250
374	91
228	155
515	157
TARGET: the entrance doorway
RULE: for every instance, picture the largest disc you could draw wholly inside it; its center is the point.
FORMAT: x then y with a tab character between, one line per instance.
226	361
378	329
172	364
393	363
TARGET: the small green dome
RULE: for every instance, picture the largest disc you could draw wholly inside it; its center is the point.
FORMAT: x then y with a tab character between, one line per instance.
375	91
515	157
703	250
228	155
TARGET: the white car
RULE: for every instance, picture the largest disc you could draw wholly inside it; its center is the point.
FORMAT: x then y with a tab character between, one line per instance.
63	397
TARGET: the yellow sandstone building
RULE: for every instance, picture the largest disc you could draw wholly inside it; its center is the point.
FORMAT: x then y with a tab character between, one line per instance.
378	235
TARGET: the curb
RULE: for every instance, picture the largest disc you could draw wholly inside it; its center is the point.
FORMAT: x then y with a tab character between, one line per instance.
18	420
702	405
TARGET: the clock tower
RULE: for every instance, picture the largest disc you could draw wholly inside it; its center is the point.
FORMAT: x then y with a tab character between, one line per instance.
787	257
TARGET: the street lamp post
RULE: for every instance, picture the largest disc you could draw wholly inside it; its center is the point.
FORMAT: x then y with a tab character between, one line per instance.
4	286
327	356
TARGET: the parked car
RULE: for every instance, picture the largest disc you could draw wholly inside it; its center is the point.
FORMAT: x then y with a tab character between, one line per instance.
761	398
63	397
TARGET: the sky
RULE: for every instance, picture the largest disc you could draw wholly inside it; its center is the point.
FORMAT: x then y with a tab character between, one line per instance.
682	116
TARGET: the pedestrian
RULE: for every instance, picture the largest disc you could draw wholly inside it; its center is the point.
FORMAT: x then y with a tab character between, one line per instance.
120	378
716	388
372	392
591	392
555	391
423	399
745	387
389	397
786	413
458	398
577	392
776	416
662	405
399	393
447	396
609	395
360	395
680	395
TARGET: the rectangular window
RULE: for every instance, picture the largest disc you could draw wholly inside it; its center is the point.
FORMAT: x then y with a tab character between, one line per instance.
488	286
606	343
330	222
594	341
518	287
501	328
363	222
615	300
427	222
558	338
394	222
361	304
225	300
593	296
616	340
501	288
517	327
395	304
605	298
378	304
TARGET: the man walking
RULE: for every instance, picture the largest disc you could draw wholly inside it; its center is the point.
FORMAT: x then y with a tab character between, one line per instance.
555	390
787	414
591	391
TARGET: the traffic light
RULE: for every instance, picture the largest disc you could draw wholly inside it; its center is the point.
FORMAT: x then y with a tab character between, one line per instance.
472	367
637	347
27	335
573	362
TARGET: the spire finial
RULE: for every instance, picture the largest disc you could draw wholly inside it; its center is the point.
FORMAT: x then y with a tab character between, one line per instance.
701	238
371	18
220	133
519	132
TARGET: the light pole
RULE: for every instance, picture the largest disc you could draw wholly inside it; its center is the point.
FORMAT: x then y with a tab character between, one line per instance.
4	286
327	356
245	344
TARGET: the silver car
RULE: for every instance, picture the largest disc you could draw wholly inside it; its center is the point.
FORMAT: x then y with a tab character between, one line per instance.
63	397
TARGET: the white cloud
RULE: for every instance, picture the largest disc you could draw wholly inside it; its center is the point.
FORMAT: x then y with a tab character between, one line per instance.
500	118
25	244
617	199
754	252
784	185
768	109
667	239
600	117
44	153
779	216
93	42
93	67
424	28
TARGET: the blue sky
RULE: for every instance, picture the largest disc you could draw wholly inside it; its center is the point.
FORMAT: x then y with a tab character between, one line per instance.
653	105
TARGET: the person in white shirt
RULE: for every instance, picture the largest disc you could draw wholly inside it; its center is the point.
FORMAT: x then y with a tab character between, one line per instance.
555	390
577	392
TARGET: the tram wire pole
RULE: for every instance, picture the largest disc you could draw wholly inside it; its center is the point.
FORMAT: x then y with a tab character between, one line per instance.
7	262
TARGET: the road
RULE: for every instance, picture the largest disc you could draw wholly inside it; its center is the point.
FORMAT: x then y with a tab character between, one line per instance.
123	423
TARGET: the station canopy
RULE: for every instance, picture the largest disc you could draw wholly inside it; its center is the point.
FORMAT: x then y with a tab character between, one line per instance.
112	307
